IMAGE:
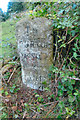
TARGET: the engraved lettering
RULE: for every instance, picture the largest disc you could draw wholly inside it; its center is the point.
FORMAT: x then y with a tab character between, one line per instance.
28	28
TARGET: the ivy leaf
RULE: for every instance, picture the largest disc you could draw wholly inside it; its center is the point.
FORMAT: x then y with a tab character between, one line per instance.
38	109
71	98
74	6
16	116
44	82
60	92
73	32
74	49
61	104
69	111
59	26
76	93
47	89
74	54
6	93
70	86
36	95
72	112
26	105
73	82
2	91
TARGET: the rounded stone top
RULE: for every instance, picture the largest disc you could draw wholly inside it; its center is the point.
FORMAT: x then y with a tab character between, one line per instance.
38	20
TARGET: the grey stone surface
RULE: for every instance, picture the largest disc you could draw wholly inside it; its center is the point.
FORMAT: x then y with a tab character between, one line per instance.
34	38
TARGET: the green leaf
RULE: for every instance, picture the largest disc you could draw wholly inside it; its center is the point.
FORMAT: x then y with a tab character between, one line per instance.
6	93
59	117
52	96
62	74
74	54
72	112
2	91
74	49
44	82
75	45
13	86
60	40
63	45
73	82
59	87
25	104
38	109
76	93
61	104
4	115
71	98
51	68
16	116
60	92
49	75
16	90
47	89
36	95
49	98
70	86
11	90
73	32
59	26
67	109
1	108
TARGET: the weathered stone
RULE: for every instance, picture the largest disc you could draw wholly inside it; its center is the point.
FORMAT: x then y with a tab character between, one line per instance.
34	38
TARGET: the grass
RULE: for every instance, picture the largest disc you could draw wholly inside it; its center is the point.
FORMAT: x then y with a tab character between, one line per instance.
8	42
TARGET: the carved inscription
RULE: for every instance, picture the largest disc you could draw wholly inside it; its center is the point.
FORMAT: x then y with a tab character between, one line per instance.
35	50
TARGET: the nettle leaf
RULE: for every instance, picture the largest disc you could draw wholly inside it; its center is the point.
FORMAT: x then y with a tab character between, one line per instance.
71	98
